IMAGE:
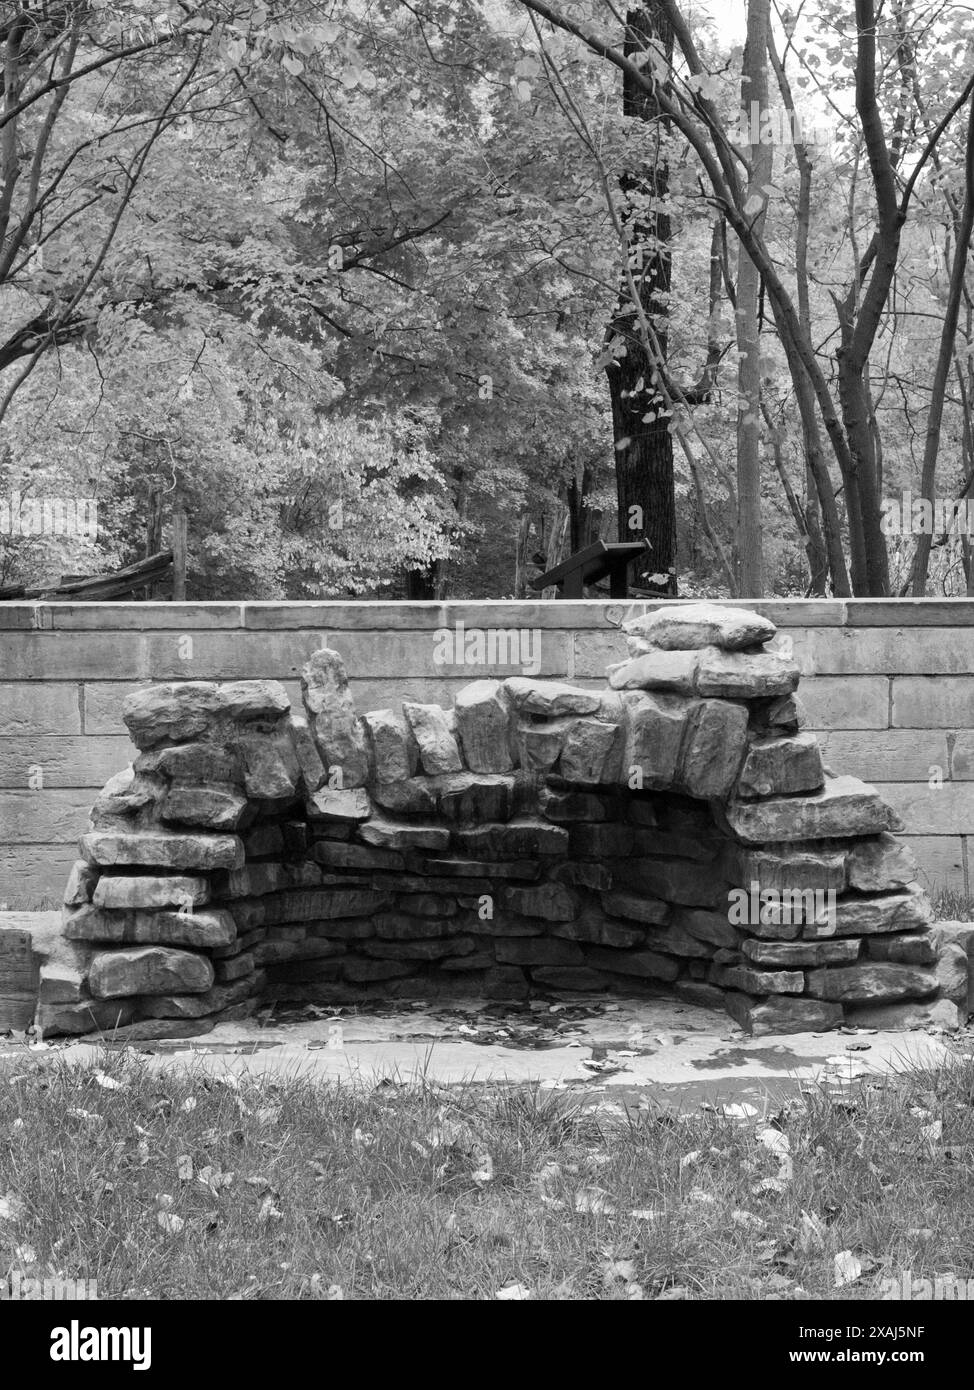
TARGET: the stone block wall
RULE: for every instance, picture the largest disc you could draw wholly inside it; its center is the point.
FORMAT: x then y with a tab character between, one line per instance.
888	687
677	830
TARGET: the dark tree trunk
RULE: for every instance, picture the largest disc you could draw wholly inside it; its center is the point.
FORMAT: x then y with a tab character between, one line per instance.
640	422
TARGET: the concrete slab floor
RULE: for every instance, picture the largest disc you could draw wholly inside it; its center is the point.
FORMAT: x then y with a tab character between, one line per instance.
619	1051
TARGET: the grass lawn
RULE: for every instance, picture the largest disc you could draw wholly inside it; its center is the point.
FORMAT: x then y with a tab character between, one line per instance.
184	1187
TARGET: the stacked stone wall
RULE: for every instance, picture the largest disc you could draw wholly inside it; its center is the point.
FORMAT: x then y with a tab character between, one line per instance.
674	831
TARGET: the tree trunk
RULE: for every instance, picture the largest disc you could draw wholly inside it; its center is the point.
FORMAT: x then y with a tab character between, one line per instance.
754	101
640	418
945	360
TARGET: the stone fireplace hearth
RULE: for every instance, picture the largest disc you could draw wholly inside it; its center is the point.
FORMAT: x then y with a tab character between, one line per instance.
674	832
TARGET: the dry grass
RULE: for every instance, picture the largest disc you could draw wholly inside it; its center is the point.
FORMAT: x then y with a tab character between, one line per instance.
169	1185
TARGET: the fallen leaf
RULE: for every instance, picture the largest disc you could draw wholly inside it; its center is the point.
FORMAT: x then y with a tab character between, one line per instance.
268	1211
11	1208
846	1269
514	1293
811	1233
593	1201
184	1168
704	1199
614	1271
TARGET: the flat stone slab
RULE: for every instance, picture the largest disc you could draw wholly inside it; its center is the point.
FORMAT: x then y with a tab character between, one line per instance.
844	809
148	970
176	890
691	626
549	699
157	849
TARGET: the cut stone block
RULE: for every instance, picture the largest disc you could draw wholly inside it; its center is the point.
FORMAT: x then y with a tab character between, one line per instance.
885	914
483	727
846	808
339	734
313	772
177	890
549	699
782	1014
750	981
177	711
713	747
412	798
637	908
330	803
867	983
389	834
745	675
519	838
211	808
563	807
81	883
394	747
789	954
712	927
953	973
800	868
467	798
259	699
692	626
539	745
209	928
906	948
148	970
163	850
337	855
589	754
782	767
199	764
656	727
88	1016
881	864
672	671
271	769
123	797
213	1001
479	868
62	983
438	750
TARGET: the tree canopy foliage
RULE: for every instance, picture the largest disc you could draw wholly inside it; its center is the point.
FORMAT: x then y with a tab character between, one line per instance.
384	293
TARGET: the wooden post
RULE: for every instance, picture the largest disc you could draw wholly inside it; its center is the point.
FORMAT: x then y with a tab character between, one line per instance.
179	533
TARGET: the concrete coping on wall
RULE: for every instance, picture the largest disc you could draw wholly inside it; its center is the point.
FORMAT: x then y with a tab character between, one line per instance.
382	615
